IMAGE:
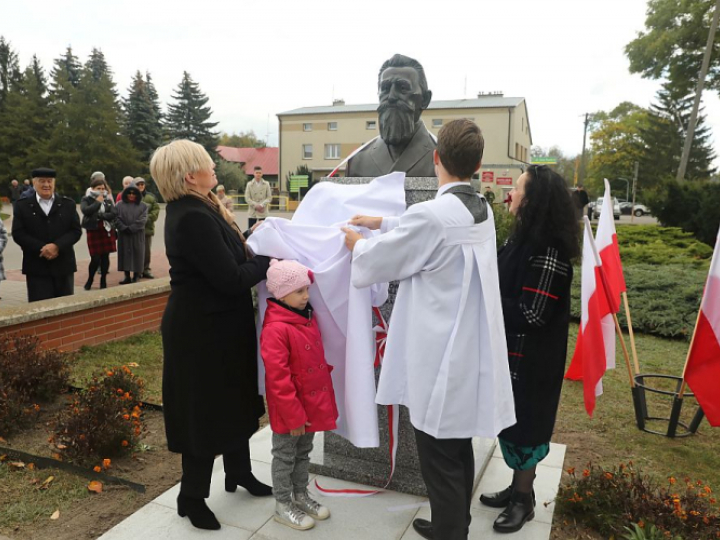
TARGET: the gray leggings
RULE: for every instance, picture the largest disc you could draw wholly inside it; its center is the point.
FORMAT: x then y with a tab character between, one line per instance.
291	459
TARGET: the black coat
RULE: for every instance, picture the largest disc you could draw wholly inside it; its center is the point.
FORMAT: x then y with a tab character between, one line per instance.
210	391
32	229
90	208
535	290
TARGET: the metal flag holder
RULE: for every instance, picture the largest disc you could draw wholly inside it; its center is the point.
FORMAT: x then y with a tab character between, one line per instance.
675	428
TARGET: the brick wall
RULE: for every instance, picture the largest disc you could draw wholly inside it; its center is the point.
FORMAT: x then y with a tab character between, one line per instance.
93	323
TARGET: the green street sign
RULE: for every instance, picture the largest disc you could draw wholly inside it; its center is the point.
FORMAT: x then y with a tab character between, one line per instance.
544	161
296	182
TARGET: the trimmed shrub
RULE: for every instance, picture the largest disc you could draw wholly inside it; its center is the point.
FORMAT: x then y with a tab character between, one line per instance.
694	206
610	501
31	371
28	375
103	421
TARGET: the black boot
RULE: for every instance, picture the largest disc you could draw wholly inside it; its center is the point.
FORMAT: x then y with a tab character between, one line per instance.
127	279
198	512
89	282
254	486
103	281
499	499
519	511
136	277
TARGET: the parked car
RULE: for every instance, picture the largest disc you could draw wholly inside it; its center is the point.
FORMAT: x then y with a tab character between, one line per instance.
598	208
626	208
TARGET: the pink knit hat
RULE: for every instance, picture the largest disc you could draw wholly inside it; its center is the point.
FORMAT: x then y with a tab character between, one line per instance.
284	277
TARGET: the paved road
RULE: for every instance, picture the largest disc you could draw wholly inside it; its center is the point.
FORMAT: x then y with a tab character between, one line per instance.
13	253
13	291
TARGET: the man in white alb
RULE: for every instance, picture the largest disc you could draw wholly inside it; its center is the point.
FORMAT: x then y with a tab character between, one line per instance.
446	356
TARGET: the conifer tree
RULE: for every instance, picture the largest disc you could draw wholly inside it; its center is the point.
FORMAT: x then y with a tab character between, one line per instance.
65	77
10	73
142	120
25	122
88	136
664	136
188	117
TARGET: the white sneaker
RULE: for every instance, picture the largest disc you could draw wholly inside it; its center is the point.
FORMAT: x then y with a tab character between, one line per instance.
292	516
310	506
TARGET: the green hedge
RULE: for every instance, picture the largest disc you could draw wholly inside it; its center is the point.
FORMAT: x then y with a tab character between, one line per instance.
665	272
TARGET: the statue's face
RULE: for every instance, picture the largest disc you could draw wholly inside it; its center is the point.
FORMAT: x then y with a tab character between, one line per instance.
400	104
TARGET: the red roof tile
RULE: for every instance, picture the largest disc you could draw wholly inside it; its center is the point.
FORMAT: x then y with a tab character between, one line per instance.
267	158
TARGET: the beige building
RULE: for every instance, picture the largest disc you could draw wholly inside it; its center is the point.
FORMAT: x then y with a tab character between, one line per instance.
321	137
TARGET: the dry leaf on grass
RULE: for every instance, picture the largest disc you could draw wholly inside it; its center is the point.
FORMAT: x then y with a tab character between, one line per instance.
55	514
31	466
17	464
2	440
133	364
47	482
95	486
61	446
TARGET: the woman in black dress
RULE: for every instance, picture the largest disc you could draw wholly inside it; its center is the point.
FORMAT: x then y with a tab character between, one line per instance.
535	275
210	392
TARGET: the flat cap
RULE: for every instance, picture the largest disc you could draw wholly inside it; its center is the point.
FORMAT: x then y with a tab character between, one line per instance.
43	172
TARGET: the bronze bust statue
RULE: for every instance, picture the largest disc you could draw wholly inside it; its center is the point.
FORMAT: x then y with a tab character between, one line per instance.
404	143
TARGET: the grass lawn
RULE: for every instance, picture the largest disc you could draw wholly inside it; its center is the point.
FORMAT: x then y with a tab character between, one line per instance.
21	504
611	436
144	349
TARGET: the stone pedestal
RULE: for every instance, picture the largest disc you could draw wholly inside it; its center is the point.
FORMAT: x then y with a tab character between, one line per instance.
336	457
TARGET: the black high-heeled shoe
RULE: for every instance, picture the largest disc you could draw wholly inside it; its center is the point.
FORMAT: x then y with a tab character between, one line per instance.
248	481
200	515
127	279
88	283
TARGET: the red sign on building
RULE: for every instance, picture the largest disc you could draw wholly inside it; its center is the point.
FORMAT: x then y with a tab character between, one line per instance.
504	181
487	176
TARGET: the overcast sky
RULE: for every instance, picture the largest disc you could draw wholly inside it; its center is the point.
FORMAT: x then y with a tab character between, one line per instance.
256	59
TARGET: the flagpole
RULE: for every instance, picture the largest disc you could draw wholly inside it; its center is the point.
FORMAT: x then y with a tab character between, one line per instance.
632	334
606	286
681	393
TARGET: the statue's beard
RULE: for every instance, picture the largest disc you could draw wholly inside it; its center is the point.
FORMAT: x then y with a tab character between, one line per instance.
397	122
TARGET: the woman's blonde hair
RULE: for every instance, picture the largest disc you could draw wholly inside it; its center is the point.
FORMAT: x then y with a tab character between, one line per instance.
171	163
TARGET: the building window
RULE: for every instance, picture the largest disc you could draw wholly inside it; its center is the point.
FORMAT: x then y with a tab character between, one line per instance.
307	151
332	151
437	122
307	127
332	126
371	124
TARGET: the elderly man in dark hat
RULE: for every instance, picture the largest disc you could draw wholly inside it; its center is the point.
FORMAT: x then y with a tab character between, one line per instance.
46	227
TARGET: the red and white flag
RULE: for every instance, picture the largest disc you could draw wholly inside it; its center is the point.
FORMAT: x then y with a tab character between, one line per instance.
702	371
607	246
589	358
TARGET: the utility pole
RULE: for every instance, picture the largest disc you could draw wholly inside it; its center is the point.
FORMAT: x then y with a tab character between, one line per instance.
698	95
635	177
582	159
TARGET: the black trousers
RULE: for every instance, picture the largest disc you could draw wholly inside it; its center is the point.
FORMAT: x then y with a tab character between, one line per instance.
448	469
197	470
148	252
44	287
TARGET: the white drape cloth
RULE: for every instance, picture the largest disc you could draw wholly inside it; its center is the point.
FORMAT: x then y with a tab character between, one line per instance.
446	354
344	313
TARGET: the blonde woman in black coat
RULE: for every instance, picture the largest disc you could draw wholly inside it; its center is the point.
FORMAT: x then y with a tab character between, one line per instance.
535	271
210	393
